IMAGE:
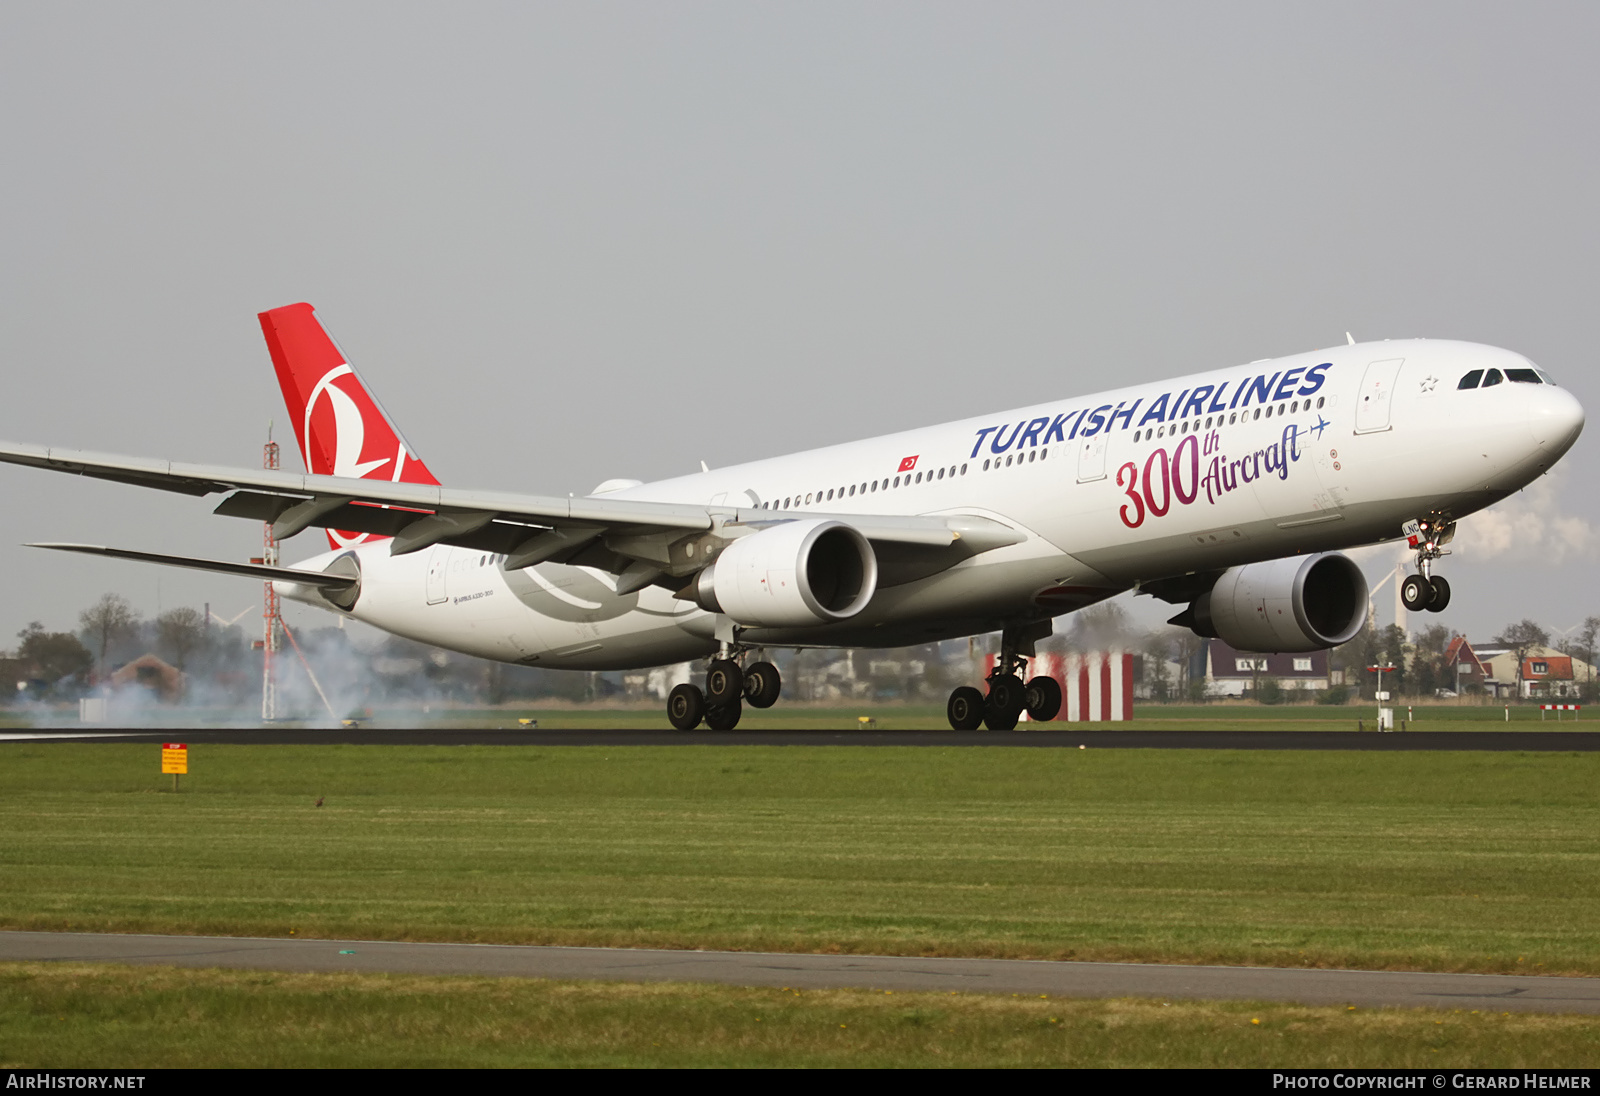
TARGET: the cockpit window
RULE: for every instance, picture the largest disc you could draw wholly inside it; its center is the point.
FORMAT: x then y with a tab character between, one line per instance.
1471	379
1493	378
1544	376
1522	376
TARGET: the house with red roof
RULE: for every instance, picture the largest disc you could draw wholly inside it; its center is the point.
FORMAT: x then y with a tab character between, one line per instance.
1467	671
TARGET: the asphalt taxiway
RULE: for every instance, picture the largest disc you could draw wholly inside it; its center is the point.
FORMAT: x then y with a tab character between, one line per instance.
1365	988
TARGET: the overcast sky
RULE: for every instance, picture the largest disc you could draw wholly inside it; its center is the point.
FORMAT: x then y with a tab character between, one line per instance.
566	242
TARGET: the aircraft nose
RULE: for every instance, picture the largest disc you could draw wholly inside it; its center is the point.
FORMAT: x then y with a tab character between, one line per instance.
1558	420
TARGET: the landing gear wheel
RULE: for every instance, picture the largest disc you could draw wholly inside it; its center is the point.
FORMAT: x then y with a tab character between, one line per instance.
1441	594
965	709
1043	699
1005	702
724	682
1415	593
724	717
762	684
686	707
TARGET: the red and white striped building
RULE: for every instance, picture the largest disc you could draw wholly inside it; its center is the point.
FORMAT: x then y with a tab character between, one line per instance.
1096	687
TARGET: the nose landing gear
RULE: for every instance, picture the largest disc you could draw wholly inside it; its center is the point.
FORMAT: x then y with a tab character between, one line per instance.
1425	590
1419	592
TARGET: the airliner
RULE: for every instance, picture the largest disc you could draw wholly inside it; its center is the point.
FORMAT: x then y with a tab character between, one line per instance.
1228	494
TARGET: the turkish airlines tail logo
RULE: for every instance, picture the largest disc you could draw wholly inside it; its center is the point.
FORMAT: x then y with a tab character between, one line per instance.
341	429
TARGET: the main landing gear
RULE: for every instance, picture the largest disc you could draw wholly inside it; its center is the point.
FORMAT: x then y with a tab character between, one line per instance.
729	687
1008	697
1425	590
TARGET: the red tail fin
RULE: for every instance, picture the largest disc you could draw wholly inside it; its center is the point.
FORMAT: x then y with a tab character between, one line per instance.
340	426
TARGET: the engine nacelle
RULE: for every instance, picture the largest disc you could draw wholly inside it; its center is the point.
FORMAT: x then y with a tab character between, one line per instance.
347	564
1303	603
798	573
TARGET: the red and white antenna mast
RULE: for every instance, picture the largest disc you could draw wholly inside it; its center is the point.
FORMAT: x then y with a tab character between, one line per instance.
271	621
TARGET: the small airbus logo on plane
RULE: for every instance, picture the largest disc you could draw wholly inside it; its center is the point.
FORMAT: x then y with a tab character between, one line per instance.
908	464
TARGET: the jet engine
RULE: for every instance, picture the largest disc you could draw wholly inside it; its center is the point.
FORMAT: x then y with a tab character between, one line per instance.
346	597
1303	603
791	575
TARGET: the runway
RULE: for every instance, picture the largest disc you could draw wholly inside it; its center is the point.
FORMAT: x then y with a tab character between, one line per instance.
1542	741
1369	989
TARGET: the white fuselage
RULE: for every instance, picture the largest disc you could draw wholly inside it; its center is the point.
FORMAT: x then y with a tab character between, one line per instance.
1314	452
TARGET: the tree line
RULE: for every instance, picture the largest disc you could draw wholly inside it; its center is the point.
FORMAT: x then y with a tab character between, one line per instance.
63	665
109	633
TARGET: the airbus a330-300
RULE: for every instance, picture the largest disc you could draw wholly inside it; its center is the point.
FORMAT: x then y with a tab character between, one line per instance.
1228	493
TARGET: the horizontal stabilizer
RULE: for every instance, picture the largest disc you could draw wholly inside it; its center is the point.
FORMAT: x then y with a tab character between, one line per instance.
247	570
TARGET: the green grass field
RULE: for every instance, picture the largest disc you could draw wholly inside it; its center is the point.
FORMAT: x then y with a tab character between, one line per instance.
139	1018
1446	861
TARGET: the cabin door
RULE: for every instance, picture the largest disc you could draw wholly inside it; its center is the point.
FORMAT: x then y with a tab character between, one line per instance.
1376	395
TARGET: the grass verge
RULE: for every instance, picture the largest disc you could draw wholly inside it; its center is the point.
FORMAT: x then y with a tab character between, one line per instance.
96	1016
1222	715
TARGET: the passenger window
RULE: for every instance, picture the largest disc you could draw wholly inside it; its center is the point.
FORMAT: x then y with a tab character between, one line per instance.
963	469
1033	455
1257	415
1043	453
1522	376
1471	379
941	473
1492	379
1319	403
808	498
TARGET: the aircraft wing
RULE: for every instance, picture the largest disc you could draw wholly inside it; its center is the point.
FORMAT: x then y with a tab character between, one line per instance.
629	537
322	579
